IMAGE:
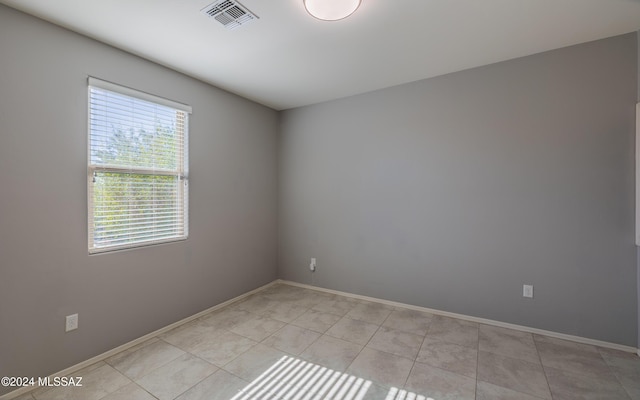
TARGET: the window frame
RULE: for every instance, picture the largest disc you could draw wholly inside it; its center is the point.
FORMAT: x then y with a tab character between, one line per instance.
181	172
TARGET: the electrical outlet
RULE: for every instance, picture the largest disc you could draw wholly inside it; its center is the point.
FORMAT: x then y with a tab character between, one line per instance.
312	266
527	291
71	323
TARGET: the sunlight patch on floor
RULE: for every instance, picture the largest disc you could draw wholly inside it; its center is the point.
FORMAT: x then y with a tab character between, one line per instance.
293	379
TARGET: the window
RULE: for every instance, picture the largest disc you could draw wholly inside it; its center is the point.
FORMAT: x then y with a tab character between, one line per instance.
138	165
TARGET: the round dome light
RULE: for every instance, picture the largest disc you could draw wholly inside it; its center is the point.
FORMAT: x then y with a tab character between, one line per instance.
331	10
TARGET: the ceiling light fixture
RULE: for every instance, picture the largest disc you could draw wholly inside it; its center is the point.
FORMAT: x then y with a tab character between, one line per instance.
331	10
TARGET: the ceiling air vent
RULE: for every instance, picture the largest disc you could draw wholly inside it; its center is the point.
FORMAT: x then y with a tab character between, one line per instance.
229	13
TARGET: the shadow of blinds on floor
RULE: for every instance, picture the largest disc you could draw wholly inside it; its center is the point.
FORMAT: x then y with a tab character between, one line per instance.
294	379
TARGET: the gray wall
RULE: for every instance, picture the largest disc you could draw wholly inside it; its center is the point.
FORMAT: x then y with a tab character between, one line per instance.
638	257
45	270
453	192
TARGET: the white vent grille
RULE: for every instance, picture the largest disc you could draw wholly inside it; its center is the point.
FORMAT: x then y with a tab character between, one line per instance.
229	13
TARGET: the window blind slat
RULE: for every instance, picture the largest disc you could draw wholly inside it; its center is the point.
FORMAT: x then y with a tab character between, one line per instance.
151	231
98	83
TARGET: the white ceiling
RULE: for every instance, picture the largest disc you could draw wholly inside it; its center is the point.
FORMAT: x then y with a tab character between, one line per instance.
288	58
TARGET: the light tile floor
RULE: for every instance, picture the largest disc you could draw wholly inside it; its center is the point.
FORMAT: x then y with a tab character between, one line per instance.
290	343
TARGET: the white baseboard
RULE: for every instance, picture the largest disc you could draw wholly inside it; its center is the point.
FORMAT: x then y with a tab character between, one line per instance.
167	328
104	356
485	321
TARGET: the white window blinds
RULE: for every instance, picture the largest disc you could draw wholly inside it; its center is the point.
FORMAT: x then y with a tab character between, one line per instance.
137	174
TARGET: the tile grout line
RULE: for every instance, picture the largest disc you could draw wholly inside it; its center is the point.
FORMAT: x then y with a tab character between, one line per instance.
371	338
424	339
134	383
156	366
499	355
475	389
520	360
206	377
310	344
544	370
363	346
615	375
146	391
